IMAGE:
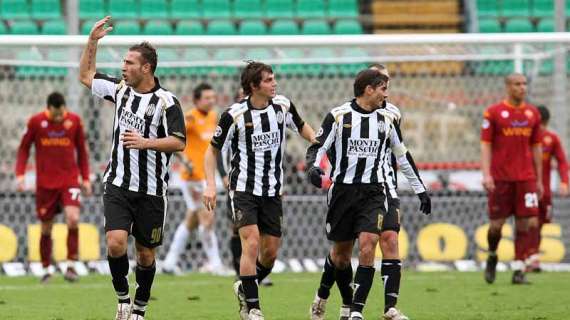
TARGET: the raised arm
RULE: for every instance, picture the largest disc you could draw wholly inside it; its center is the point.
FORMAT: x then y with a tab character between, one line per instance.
88	57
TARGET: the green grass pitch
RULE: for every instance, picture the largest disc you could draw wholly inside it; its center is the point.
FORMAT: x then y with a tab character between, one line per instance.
446	295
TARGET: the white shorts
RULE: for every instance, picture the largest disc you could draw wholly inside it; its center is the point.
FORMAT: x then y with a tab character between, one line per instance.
192	192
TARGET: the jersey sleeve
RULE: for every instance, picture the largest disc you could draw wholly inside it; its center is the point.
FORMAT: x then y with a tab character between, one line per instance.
294	120
536	136
104	86
325	138
24	148
561	160
406	162
224	131
175	120
487	127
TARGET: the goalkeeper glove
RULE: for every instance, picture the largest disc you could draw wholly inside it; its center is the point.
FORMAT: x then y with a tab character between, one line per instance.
425	201
315	176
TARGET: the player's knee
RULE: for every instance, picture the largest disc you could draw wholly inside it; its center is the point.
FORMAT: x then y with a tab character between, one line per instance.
46	227
268	256
341	260
73	222
250	246
145	257
116	246
367	250
389	243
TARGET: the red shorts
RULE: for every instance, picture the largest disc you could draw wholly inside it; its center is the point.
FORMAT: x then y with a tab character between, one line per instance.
545	208
49	202
516	198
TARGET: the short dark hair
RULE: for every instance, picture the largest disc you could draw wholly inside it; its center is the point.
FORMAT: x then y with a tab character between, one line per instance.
148	54
197	93
56	100
251	74
544	114
368	77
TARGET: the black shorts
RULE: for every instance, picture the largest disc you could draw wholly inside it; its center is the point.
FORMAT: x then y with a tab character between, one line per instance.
354	209
138	213
391	221
265	212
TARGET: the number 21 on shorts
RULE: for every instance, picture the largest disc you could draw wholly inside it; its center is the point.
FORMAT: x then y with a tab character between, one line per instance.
531	200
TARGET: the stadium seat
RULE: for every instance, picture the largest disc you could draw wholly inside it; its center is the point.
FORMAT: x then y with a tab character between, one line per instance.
15	9
291	68
258	54
189	28
3	29
347	27
167	55
487	8
217	8
108	56
87	25
54	27
154	9
351	69
92	9
279	9
343	8
546	25
196	55
24	27
252	27
124	9
158	27
316	27
248	9
543	8
489	26
518	25
284	27
45	9
227	55
184	9
126	28
27	70
515	8
221	27
58	55
321	68
310	9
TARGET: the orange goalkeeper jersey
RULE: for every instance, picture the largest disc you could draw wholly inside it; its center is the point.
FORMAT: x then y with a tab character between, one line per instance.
200	127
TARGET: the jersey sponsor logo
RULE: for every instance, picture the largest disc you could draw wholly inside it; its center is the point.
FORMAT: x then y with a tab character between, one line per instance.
131	121
517	123
505	114
517	132
280	117
218	131
55	142
265	141
486	124
363	148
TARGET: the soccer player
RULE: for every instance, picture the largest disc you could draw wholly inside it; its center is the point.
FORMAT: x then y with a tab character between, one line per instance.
61	156
511	161
356	136
148	128
200	125
551	146
391	263
254	130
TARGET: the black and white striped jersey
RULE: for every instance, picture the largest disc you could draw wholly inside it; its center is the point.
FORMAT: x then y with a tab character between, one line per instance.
154	114
405	162
256	138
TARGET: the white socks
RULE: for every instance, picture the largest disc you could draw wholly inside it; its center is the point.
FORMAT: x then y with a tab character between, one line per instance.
210	245
177	246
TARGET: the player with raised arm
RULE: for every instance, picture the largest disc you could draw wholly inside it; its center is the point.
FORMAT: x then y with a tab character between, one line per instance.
148	127
61	156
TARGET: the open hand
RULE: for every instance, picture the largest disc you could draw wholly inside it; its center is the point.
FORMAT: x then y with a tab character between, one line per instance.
99	31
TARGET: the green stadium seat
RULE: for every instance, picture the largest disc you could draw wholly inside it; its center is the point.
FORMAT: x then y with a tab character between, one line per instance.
58	55
126	28
351	69
221	27
87	25
543	8
227	55
3	29
493	67
15	9
154	9
489	26
92	9
284	27
24	27
167	55
248	9
343	8
54	27
310	9
515	8
196	55
189	28
158	27
258	54
546	25
279	9
45	9
252	27
519	25
567	8
347	27
316	27
106	55
321	68
487	8
124	9
27	71
217	9
291	68
185	9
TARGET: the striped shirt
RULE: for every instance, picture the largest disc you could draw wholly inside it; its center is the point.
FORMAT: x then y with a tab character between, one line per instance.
155	114
256	141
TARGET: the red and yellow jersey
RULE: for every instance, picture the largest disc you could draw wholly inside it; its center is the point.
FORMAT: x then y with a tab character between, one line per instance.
200	127
512	131
61	152
551	146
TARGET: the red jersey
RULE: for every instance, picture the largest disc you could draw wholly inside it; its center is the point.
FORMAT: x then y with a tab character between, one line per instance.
551	146
60	151
512	131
